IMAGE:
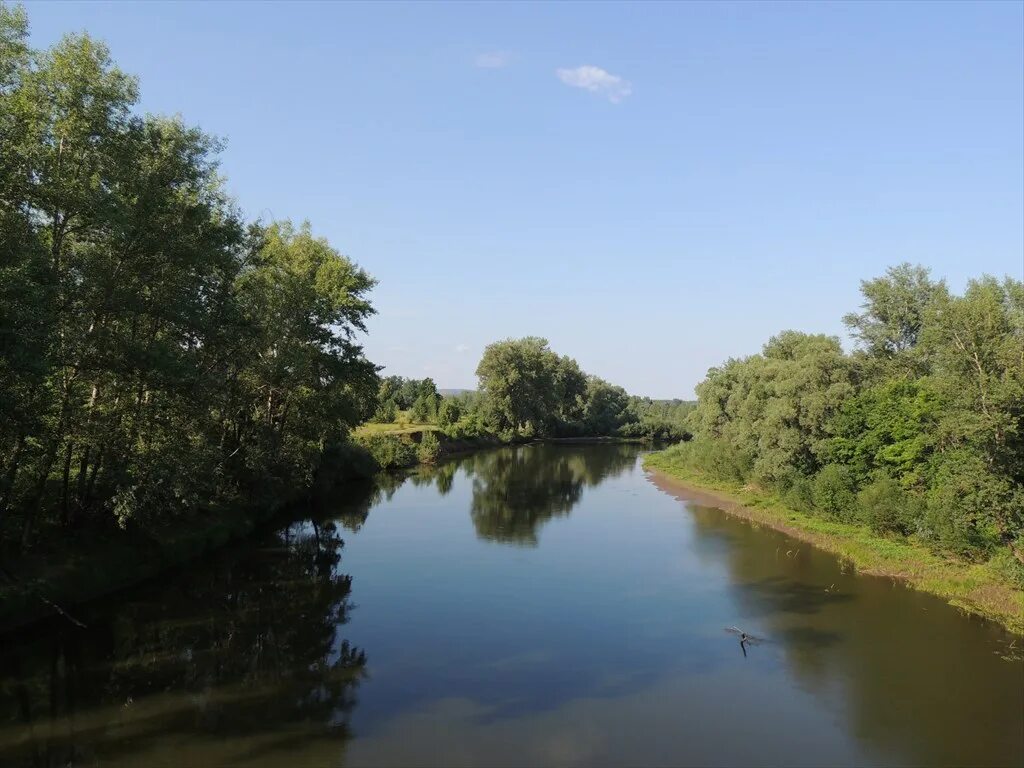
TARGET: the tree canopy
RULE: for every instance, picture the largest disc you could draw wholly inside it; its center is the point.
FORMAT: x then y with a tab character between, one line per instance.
920	430
158	354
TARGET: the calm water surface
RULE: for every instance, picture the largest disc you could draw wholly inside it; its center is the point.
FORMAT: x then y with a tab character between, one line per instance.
543	605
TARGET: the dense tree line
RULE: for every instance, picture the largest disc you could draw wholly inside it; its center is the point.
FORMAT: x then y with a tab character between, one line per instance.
156	351
417	396
920	431
526	390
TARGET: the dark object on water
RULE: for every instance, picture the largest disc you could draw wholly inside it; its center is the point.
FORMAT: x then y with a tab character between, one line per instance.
745	638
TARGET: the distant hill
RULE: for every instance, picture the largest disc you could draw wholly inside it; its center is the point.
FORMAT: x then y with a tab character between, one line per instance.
454	392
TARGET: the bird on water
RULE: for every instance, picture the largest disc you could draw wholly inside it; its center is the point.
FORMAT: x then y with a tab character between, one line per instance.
745	638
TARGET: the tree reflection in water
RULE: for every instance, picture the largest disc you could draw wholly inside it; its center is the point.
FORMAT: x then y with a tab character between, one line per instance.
241	654
516	490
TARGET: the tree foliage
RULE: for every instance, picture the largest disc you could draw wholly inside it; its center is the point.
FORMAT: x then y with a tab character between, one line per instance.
157	354
919	431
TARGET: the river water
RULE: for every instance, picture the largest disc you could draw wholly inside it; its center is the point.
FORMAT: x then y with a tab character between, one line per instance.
539	605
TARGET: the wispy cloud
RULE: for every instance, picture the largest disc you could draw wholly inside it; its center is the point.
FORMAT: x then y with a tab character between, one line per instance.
460	348
492	60
596	80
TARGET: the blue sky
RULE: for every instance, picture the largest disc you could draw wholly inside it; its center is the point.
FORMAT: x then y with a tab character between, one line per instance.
654	188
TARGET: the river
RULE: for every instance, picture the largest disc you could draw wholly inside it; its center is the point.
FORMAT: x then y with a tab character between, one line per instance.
538	605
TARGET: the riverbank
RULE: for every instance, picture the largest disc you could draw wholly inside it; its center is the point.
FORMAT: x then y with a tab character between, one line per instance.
977	588
396	449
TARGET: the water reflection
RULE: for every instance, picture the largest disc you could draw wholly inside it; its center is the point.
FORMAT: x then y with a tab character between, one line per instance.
599	642
239	659
904	668
517	490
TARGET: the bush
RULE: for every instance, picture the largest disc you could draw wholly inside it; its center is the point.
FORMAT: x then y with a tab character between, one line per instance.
429	448
449	413
833	492
390	451
345	460
717	458
386	412
1007	566
798	492
885	506
964	505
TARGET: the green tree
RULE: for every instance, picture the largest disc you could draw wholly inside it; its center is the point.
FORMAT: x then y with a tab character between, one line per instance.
606	407
926	417
779	404
156	355
449	412
977	342
528	388
894	311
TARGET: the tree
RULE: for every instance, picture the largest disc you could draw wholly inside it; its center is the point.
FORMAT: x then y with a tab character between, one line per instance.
424	407
977	341
925	421
517	378
606	409
894	311
529	389
156	354
778	405
449	412
305	379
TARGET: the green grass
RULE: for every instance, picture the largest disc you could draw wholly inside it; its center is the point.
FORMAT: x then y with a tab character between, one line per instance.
979	588
393	428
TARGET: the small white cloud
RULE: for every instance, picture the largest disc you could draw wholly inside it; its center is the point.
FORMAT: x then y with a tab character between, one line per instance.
460	348
492	60
596	80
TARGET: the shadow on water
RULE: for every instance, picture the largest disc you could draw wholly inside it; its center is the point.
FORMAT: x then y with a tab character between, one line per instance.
776	594
238	658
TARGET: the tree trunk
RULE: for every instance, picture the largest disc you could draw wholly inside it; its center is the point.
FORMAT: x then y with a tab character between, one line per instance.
64	501
83	471
12	474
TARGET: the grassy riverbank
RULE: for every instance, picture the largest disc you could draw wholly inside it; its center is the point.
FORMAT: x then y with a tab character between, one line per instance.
980	588
401	446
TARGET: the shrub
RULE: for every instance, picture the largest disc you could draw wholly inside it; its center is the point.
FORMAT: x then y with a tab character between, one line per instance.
449	413
799	492
345	460
429	448
386	412
833	492
390	451
718	459
1006	565
965	505
885	506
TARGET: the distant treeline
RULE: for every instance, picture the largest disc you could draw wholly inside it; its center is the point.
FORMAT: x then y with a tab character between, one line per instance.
526	390
158	354
919	432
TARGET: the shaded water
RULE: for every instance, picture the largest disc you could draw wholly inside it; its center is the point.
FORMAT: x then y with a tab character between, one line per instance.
534	605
